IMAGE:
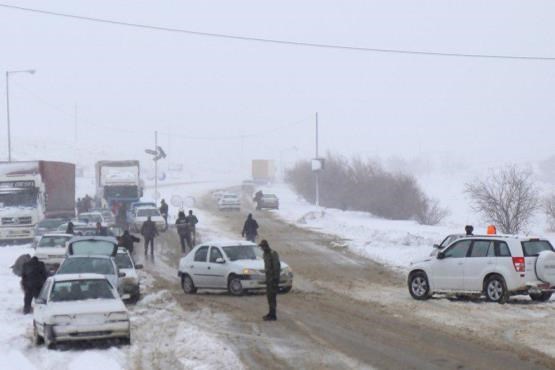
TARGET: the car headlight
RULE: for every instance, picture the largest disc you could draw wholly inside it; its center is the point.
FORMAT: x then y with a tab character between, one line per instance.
61	319
118	316
249	272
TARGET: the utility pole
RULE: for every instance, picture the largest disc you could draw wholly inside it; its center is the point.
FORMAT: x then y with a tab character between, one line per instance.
317	173
75	122
156	168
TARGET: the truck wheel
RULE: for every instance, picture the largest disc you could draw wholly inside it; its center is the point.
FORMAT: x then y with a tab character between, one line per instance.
419	288
495	289
541	297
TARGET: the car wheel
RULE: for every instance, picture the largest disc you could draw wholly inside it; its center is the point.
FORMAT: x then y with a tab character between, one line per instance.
419	286
37	339
49	337
541	297
286	290
188	285
235	286
495	289
126	341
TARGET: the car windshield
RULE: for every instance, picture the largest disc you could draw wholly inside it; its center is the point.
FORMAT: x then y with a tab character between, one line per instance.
83	265
123	261
242	252
53	241
90	218
79	290
534	247
50	223
92	247
148	212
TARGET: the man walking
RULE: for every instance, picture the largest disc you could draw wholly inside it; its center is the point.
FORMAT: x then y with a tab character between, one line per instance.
250	229
192	220
164	209
272	267
184	231
149	232
127	241
33	276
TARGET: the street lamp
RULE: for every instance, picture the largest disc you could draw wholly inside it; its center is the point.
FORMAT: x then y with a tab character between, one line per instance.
8	73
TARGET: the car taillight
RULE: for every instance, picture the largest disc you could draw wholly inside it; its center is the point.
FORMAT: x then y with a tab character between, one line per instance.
518	262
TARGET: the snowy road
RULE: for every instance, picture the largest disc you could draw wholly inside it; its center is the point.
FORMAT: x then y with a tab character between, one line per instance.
329	321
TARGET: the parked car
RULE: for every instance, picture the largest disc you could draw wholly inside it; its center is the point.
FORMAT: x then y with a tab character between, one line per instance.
229	201
84	229
107	215
134	205
237	266
142	213
495	266
269	201
92	254
47	225
130	283
91	218
74	307
51	249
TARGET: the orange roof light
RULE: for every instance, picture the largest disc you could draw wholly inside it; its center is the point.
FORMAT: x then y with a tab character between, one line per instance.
492	230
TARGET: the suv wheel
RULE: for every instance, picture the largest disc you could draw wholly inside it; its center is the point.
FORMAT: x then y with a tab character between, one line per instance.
541	297
419	287
495	289
188	285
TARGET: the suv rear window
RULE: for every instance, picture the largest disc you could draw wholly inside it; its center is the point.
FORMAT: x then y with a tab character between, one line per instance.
533	248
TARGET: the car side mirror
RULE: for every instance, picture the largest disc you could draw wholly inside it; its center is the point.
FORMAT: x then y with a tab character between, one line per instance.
40	301
440	255
437	246
122	274
220	260
139	267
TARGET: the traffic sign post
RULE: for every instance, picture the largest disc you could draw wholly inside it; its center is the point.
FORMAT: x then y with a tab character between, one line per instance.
157	154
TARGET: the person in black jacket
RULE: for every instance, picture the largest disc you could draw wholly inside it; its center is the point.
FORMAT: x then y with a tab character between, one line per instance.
69	229
101	230
250	229
149	231
164	209
183	231
33	276
272	267
127	241
192	220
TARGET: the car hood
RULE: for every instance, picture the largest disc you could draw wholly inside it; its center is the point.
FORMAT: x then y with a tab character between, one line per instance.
51	251
85	307
253	264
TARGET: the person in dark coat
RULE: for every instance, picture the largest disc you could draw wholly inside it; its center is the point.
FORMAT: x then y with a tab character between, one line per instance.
121	216
149	232
258	199
164	209
250	229
69	228
192	220
127	241
33	276
272	266
101	230
183	231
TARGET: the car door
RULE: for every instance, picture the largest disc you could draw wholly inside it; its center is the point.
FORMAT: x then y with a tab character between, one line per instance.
199	267
479	262
448	269
217	269
40	302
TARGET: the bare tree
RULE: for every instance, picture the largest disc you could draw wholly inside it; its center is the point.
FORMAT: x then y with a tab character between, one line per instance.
507	198
549	209
431	213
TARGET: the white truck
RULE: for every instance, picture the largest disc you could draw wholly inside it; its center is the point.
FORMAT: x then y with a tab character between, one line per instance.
118	182
31	191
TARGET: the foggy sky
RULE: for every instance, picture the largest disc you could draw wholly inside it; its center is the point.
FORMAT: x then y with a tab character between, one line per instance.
135	81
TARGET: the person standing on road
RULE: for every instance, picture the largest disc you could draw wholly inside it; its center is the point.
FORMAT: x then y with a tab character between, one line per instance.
192	220
250	229
33	276
184	231
258	199
101	230
272	266
149	232
69	228
127	241
164	209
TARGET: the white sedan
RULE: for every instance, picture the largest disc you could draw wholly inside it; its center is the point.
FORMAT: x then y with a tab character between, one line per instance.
51	249
130	284
237	266
141	214
229	201
77	307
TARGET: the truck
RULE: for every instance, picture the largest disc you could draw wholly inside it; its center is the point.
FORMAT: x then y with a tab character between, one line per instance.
118	182
263	171
31	191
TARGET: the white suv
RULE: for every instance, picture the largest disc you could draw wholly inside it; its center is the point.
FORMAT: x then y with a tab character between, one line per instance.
494	265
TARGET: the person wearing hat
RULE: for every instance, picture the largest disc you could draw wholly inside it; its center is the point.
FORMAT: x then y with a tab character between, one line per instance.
272	267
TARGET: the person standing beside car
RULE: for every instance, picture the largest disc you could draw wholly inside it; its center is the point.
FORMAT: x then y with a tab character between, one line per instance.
250	229
33	276
183	231
272	267
127	241
192	220
164	209
149	232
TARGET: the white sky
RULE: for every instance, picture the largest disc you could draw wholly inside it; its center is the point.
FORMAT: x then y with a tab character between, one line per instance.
369	104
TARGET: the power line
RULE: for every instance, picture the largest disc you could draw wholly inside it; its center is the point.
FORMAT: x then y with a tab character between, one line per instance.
278	41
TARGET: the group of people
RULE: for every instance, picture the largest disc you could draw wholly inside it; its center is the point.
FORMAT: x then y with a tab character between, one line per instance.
85	204
186	230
